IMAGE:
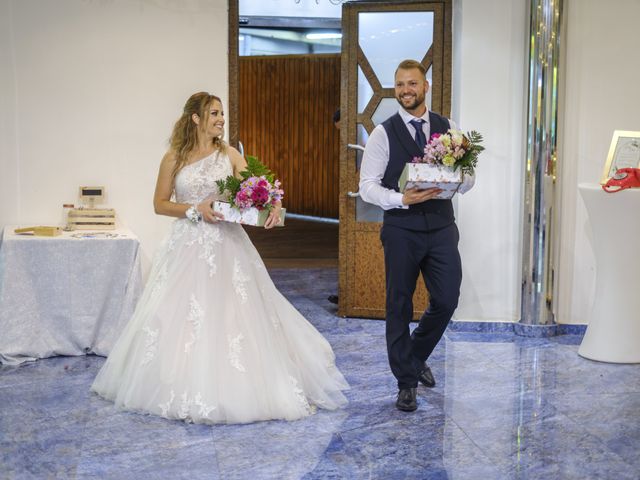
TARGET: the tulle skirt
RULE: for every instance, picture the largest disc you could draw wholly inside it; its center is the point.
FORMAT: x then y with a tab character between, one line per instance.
213	341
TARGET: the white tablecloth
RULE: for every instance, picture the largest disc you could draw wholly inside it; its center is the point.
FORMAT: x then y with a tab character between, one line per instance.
65	295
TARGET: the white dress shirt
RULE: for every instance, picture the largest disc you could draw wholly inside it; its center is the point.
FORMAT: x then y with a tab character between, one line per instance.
376	159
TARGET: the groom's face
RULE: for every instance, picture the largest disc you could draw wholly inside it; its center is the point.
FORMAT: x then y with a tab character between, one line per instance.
411	88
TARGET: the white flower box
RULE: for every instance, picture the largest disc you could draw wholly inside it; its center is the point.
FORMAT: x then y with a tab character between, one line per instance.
429	175
249	216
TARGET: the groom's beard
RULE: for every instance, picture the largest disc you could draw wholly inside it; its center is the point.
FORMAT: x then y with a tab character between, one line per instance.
412	102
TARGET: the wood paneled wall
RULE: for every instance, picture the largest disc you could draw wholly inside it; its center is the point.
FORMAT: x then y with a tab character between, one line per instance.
286	108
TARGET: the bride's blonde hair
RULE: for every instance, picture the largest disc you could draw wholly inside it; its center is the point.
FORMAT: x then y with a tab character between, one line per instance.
184	137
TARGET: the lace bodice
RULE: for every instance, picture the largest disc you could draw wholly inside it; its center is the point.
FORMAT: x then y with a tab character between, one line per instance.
197	181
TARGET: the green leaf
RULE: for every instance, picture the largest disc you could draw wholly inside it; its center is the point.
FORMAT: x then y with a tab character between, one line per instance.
255	168
469	160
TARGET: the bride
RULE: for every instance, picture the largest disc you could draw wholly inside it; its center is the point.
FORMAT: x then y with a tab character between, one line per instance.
212	340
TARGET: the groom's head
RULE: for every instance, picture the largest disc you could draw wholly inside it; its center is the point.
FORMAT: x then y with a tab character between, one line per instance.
411	85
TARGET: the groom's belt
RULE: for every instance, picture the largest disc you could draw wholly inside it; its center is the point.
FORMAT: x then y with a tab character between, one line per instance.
422	217
406	212
435	207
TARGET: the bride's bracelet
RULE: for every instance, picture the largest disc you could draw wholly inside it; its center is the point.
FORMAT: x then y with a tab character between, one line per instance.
193	214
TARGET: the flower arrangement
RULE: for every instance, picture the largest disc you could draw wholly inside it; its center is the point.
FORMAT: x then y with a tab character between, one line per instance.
453	149
258	187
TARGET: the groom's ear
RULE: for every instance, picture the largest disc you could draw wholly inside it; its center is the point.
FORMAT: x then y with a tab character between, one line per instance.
196	118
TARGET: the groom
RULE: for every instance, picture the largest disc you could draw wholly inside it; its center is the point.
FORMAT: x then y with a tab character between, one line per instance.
418	233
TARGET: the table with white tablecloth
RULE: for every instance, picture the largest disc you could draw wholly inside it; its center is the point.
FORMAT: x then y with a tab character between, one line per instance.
613	333
66	295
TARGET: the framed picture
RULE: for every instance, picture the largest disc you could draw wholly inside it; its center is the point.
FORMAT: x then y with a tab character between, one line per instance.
624	152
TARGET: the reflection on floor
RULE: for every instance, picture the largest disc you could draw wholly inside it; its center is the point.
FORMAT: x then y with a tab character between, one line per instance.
504	407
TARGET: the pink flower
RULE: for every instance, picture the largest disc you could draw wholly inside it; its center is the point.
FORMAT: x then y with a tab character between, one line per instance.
453	149
260	196
258	192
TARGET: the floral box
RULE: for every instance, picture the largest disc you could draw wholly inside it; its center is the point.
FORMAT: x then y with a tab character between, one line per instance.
248	216
429	175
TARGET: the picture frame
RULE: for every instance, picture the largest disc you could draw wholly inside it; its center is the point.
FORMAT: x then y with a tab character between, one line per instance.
624	152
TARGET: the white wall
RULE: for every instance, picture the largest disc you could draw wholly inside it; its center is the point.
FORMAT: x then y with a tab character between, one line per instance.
601	95
489	95
89	91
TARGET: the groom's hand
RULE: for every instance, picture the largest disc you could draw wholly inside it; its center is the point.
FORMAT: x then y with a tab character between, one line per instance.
415	195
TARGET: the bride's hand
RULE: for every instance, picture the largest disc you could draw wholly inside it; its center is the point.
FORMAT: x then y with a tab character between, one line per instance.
208	213
274	217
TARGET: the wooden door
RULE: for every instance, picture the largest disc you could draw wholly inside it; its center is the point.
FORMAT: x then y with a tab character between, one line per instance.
286	105
377	36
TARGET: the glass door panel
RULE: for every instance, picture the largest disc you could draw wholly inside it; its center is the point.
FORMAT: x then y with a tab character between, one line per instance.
365	92
387	38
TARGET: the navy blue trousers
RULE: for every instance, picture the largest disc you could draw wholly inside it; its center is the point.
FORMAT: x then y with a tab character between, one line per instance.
406	254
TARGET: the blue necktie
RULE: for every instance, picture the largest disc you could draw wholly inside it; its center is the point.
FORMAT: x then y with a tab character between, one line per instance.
421	140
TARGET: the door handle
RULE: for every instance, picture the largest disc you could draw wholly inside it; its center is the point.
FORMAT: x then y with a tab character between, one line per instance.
355	147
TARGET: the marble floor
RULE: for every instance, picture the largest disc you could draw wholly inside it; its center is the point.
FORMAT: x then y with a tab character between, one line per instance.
505	407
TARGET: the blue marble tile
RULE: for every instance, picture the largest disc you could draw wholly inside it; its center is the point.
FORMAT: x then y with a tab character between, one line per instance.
480	327
534	355
504	406
535	331
612	418
567	329
167	460
410	447
568	339
370	411
485	411
593	377
63	369
50	458
276	449
554	447
29	412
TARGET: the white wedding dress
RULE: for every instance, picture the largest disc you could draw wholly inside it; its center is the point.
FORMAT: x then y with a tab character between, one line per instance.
212	340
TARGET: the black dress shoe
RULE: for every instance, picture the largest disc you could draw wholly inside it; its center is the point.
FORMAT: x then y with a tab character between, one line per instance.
425	377
407	400
333	299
